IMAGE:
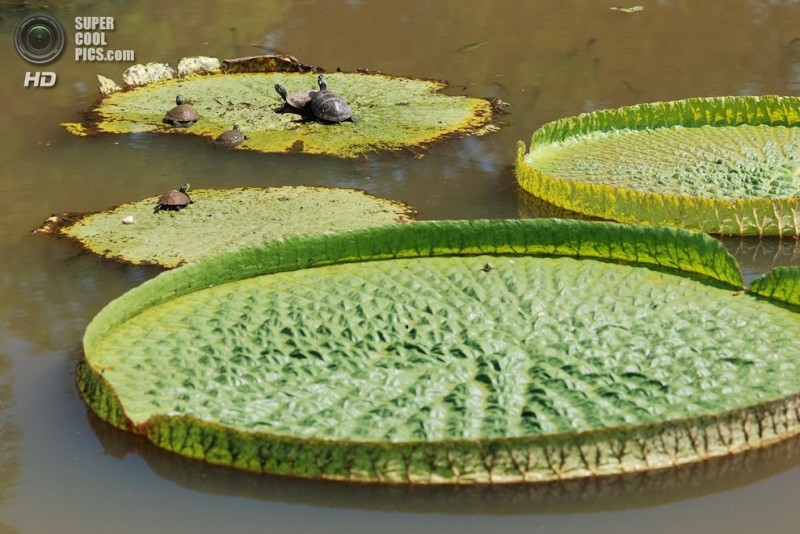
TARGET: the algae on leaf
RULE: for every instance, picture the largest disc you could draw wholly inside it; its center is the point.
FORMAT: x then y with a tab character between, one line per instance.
220	220
392	112
451	352
728	165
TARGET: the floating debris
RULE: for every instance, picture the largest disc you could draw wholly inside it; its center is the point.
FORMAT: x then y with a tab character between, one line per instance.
139	75
191	66
632	9
469	47
107	85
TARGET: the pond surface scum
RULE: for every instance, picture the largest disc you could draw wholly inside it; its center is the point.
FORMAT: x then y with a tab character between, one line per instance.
548	59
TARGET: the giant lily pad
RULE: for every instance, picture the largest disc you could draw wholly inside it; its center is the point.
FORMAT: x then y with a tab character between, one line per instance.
219	220
392	112
728	165
451	352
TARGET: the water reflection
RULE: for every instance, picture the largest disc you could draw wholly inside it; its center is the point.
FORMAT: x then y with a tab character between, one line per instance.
755	255
56	271
531	207
10	436
760	255
588	495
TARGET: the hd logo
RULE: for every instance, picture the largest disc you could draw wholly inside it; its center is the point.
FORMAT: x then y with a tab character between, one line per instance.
39	40
39	79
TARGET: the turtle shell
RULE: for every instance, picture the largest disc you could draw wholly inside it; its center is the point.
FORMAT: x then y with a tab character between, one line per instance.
174	200
329	106
230	138
182	115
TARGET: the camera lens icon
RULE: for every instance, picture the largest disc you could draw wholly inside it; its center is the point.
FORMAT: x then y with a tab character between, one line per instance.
39	39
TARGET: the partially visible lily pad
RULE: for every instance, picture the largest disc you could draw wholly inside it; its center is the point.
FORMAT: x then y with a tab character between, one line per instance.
219	220
392	112
725	165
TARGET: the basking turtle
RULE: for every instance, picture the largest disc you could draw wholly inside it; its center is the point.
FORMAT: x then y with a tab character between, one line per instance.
230	138
328	106
182	115
294	103
174	200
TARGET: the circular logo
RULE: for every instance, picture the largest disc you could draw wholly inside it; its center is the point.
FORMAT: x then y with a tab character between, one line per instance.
39	39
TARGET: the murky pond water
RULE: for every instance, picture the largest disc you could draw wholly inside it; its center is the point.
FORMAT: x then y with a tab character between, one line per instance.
62	470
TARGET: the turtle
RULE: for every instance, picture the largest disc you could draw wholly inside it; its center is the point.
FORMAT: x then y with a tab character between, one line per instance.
174	200
182	115
294	103
230	138
328	106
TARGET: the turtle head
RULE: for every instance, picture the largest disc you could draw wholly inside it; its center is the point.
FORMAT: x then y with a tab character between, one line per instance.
235	126
323	85
179	100
281	90
184	188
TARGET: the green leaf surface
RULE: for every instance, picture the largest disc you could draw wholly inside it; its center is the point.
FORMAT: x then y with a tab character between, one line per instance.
726	165
782	284
221	220
392	112
451	352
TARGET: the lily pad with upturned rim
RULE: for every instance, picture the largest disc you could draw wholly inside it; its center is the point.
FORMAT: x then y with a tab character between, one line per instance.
451	352
724	165
221	220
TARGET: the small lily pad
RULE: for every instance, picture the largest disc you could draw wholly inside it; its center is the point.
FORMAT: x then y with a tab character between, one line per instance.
724	165
392	112
219	220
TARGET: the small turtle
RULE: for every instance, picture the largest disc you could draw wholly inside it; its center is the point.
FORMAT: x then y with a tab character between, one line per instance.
174	200
294	103
182	115
230	138
328	106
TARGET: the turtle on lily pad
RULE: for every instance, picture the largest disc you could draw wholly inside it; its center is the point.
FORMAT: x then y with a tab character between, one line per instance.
182	115
174	200
328	106
297	102
230	138
394	113
229	219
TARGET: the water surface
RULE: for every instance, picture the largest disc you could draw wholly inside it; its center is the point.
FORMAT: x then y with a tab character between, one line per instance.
62	470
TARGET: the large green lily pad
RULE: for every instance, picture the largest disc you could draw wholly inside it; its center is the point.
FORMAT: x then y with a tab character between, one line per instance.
220	220
727	165
451	352
392	112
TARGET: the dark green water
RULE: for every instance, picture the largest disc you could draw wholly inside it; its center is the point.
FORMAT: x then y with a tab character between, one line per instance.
61	470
